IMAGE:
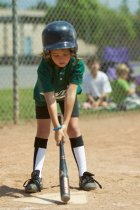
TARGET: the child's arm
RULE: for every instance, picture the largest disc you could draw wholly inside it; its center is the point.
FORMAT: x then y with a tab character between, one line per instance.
90	99
52	108
69	103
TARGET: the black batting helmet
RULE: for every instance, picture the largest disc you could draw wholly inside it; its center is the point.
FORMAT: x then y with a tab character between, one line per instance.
59	35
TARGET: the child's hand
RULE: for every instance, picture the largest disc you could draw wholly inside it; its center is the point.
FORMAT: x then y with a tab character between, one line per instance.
64	127
59	135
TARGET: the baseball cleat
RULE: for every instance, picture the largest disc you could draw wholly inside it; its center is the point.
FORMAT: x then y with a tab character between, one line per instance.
87	182
34	184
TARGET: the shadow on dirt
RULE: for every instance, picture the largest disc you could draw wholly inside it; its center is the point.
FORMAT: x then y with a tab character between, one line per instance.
6	191
12	192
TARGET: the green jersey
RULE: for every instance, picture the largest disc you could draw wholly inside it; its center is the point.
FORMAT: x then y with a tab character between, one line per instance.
120	89
51	78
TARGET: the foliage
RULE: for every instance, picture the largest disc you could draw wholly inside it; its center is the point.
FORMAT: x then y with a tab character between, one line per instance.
73	11
138	10
137	21
124	7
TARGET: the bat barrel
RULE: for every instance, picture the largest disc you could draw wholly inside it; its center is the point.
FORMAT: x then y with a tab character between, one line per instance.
64	180
63	172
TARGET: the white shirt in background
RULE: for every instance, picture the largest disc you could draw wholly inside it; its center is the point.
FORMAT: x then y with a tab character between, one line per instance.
96	86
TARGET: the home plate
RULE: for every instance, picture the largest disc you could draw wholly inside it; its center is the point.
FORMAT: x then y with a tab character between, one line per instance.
54	198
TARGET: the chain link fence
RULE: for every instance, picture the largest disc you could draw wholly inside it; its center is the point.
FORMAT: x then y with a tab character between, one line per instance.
112	35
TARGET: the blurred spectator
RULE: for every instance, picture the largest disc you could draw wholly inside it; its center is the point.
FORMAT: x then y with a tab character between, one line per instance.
123	91
96	85
112	75
113	56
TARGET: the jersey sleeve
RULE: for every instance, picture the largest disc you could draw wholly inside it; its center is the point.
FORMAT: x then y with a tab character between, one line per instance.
44	77
77	73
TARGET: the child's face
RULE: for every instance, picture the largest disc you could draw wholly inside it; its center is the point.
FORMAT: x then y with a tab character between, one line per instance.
61	57
95	67
125	75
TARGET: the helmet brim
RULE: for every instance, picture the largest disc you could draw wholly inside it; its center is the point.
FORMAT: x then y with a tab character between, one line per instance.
61	45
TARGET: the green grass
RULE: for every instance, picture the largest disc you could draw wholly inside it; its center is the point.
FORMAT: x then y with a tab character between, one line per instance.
26	104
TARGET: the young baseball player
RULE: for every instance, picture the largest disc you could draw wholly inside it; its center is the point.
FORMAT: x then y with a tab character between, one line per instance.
60	74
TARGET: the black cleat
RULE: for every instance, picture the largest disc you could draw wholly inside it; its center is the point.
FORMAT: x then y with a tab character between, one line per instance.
87	182
34	184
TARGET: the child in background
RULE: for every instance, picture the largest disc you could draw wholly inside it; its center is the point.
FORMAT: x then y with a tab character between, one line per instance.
60	74
121	89
96	85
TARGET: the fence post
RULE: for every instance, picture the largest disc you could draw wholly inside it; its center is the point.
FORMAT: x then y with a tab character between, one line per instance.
15	63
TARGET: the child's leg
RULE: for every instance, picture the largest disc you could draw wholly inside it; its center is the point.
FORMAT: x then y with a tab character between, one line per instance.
86	182
78	150
77	145
40	144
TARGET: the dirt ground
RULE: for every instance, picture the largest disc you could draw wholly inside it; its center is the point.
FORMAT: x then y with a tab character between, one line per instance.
113	153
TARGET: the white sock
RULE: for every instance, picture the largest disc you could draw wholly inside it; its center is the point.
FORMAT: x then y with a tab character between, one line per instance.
40	160
79	153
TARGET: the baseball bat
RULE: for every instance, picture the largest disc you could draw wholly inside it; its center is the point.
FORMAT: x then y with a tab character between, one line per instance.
63	172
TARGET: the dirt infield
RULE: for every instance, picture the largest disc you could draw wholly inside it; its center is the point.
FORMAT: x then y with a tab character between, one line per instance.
113	154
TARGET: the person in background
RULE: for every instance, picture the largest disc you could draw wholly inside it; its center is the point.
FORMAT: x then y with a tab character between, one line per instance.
96	85
122	89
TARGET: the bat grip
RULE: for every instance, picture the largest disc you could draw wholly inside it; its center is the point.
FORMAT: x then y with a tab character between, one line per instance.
60	121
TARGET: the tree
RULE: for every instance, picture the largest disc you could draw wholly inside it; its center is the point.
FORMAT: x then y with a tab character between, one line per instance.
114	28
124	7
138	10
75	12
137	21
